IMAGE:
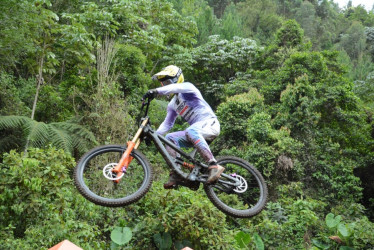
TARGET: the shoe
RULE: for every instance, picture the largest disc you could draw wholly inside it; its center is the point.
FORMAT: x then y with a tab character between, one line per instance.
173	181
215	172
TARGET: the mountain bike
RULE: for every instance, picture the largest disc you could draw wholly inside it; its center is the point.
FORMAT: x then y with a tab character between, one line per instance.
118	175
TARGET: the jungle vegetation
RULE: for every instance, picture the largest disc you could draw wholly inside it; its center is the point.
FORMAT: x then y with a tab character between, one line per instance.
291	81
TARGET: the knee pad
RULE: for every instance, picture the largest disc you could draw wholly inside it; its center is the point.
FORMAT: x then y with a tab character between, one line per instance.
192	135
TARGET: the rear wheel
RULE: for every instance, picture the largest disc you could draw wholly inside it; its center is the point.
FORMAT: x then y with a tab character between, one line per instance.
243	201
96	182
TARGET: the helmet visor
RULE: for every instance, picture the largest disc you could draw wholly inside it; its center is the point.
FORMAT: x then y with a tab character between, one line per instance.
166	82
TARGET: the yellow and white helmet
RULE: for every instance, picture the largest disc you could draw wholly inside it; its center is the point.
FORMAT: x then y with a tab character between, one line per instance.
170	74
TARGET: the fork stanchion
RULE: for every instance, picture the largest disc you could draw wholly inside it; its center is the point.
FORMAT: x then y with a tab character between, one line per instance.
126	157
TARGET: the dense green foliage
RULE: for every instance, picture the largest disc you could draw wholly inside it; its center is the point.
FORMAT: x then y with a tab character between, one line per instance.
292	83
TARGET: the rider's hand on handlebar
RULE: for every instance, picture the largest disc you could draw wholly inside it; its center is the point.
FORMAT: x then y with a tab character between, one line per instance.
150	94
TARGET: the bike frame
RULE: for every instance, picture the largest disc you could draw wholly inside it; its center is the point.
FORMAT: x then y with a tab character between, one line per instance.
160	141
145	130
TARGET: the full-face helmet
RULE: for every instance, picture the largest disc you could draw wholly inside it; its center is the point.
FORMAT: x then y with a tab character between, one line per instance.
170	74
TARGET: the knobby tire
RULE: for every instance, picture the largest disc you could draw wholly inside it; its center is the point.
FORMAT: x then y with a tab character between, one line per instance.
240	205
92	184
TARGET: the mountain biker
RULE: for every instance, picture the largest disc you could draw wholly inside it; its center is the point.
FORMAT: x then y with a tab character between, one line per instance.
187	102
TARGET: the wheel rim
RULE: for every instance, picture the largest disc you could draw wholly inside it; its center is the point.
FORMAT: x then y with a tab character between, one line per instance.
246	197
98	185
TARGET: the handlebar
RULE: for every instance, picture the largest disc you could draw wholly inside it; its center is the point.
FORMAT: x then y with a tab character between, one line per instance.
145	103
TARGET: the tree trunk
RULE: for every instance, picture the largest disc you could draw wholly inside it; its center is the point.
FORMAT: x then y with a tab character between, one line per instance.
40	81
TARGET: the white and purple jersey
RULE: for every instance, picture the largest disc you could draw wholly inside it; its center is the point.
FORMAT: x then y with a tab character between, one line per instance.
187	102
190	104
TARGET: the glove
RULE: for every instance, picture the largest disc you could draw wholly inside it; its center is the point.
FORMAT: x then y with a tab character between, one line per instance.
150	94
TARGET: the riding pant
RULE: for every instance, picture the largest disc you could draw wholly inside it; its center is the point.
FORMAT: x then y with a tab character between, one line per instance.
196	136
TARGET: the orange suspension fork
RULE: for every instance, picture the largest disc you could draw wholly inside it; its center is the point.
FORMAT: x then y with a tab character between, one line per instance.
126	157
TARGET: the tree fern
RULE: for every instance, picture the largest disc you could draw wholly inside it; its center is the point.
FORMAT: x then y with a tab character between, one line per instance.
60	138
12	121
81	138
37	133
65	135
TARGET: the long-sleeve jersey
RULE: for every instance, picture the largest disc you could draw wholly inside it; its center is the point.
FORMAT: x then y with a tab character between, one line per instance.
187	102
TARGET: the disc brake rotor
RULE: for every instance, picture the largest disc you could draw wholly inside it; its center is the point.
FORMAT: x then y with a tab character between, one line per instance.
243	184
107	171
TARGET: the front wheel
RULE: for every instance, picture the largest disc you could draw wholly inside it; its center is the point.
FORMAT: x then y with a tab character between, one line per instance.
94	183
245	200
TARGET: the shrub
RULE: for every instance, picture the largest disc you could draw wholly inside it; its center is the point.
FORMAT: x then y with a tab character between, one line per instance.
348	235
234	113
185	215
290	222
39	205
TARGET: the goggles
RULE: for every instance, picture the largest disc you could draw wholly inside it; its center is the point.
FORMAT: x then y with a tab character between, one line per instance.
166	82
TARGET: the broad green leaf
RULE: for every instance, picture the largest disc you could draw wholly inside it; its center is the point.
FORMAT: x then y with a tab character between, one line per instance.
114	246
342	229
332	221
121	235
242	239
320	244
163	241
258	241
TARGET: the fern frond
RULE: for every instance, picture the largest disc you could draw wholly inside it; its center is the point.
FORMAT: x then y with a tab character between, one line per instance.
81	145
64	135
82	138
60	139
38	133
14	122
76	130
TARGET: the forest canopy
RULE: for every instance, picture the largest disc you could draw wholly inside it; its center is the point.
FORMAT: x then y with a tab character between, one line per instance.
292	84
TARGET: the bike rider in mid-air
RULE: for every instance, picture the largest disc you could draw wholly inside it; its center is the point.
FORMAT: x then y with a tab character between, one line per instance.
187	102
